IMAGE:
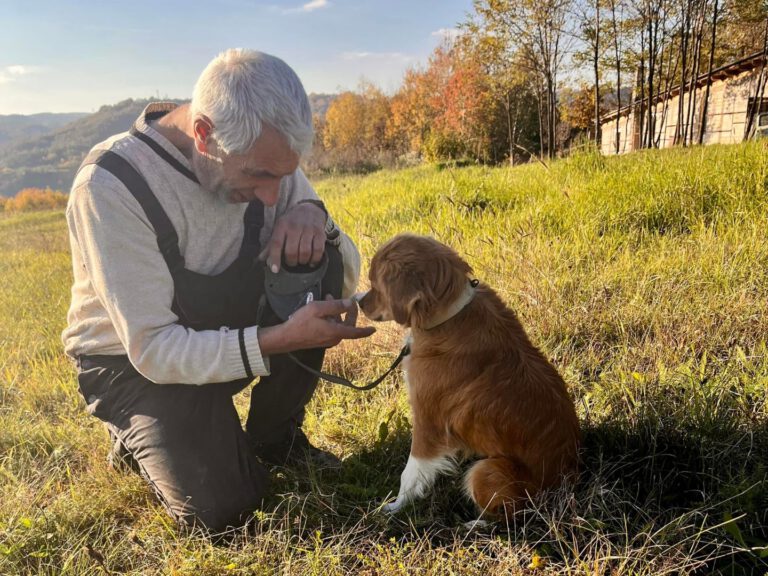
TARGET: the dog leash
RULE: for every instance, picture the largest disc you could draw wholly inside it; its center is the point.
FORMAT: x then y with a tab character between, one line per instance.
343	381
332	378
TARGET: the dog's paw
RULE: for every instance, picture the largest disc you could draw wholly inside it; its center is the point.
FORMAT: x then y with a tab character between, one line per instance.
392	507
478	525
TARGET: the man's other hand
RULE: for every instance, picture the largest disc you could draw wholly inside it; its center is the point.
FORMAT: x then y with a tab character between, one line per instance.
299	235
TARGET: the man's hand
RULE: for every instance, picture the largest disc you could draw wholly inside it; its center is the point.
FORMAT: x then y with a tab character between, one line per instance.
320	324
300	235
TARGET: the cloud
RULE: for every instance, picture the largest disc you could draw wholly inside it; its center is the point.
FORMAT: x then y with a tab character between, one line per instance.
18	70
314	5
397	56
310	6
448	33
15	71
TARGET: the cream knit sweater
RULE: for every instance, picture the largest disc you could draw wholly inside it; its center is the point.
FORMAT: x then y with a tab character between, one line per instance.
123	291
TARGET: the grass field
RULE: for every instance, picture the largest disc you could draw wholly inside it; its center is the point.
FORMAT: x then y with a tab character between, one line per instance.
644	278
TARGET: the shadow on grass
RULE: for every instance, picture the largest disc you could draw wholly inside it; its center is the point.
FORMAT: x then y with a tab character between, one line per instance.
715	478
648	489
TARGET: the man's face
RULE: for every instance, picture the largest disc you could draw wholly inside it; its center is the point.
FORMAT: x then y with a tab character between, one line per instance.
255	174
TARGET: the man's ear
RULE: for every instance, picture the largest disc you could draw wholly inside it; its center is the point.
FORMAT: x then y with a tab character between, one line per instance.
202	128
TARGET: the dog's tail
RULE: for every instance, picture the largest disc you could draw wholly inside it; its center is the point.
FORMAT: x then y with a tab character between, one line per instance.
499	484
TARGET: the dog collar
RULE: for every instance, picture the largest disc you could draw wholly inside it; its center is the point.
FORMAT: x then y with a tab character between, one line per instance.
458	305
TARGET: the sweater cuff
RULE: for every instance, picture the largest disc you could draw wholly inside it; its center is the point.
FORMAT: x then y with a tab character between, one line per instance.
245	348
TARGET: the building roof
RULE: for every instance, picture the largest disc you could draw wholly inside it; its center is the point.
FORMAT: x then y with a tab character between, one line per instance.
727	71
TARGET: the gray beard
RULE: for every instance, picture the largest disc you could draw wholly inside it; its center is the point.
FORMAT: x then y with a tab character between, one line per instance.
211	176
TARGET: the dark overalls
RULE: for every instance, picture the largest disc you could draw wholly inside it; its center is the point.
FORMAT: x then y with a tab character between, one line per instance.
188	440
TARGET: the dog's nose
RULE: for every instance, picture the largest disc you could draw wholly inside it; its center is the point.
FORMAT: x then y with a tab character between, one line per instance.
358	297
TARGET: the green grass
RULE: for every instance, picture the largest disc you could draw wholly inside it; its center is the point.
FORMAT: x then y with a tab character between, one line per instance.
644	278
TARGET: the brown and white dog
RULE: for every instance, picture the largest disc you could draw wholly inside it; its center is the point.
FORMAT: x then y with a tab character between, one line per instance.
476	384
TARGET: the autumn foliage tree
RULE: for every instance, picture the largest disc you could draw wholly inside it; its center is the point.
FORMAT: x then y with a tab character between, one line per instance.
526	77
412	110
578	109
438	109
456	108
30	199
463	108
355	127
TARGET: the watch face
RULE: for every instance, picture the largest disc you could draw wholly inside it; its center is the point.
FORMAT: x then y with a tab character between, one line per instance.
331	230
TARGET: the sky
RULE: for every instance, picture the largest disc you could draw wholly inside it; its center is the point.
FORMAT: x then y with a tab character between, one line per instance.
75	56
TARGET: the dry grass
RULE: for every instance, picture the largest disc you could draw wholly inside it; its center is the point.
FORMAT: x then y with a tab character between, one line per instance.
643	277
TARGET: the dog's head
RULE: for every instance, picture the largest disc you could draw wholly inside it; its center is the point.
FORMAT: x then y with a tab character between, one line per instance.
413	278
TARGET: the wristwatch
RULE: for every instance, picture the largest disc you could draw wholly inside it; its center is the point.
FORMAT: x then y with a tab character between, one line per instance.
332	233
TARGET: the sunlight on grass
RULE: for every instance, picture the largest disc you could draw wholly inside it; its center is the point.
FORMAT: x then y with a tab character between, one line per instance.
644	278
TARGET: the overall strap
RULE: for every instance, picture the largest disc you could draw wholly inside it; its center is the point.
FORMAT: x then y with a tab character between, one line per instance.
167	239
254	214
253	221
163	153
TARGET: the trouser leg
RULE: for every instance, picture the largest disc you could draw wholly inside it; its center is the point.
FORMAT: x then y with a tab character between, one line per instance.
187	441
278	401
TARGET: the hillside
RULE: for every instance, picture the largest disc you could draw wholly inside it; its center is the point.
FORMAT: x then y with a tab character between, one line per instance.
644	278
17	127
37	151
51	160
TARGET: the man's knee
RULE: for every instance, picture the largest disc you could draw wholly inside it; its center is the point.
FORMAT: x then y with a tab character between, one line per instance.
220	516
219	511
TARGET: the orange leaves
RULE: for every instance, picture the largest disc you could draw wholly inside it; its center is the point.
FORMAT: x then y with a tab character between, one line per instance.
356	121
34	199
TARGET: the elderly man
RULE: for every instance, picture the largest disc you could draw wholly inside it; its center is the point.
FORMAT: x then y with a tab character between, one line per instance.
173	228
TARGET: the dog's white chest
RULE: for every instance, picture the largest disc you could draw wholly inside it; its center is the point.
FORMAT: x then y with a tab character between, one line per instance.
407	361
405	375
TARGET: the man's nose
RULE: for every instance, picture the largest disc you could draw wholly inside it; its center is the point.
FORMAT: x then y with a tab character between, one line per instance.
269	193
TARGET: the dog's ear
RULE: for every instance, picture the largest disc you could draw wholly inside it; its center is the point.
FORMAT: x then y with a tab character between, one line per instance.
404	295
405	312
420	309
446	275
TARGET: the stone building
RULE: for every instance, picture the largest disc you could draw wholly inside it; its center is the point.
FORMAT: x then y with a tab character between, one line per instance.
733	98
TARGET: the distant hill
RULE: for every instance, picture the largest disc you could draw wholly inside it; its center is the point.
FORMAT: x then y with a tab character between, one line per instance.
33	156
23	127
50	160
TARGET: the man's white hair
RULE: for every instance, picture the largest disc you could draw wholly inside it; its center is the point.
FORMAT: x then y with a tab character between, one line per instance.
241	89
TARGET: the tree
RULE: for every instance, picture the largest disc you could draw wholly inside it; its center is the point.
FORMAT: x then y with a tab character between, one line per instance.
537	32
709	73
413	107
742	25
463	107
616	27
590	26
511	89
578	108
344	122
355	127
30	199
